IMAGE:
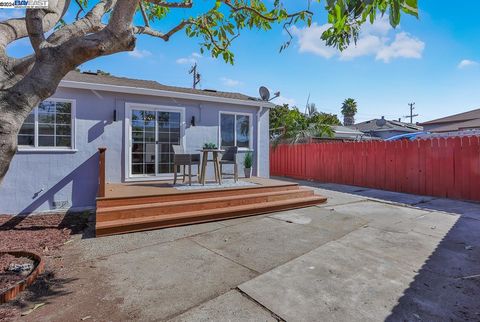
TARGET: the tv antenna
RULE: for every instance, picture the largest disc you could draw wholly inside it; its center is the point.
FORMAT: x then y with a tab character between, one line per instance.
411	116
196	75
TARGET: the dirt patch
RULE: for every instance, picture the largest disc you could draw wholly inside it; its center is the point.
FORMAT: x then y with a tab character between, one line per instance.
45	235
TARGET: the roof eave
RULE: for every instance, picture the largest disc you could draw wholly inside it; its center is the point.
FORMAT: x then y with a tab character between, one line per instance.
161	93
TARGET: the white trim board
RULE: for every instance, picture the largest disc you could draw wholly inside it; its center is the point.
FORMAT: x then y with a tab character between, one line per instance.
161	93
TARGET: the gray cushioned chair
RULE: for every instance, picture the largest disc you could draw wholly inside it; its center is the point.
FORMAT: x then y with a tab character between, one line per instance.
180	158
230	157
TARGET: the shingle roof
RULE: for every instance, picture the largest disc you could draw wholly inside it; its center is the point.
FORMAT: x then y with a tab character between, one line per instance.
461	117
458	126
377	125
94	78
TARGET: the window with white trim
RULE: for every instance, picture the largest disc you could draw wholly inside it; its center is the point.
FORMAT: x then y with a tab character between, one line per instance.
49	126
235	130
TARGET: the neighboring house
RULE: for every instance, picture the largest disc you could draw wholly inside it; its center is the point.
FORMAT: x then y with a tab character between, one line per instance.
344	133
384	129
455	123
138	121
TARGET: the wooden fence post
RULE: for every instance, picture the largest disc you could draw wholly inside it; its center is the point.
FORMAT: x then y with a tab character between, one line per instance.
101	172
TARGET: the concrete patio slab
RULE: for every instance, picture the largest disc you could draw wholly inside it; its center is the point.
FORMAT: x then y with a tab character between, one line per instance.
336	223
265	243
392	196
381	215
100	247
332	283
337	198
231	306
355	259
408	250
162	280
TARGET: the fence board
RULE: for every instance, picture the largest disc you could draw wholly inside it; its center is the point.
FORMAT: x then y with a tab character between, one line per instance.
437	167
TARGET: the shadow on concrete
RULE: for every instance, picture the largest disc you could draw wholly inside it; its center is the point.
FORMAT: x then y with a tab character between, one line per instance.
464	208
447	287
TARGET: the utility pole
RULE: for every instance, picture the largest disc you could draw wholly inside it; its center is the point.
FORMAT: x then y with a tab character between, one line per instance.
411	116
196	75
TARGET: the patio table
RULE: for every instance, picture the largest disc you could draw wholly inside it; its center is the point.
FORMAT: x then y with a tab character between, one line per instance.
216	164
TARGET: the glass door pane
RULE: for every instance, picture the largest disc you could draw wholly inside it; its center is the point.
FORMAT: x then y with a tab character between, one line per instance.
168	125
143	143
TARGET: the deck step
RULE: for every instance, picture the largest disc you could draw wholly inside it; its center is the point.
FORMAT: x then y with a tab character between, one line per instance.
192	195
127	225
171	207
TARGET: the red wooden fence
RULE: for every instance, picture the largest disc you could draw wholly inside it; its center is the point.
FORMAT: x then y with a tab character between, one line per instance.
440	167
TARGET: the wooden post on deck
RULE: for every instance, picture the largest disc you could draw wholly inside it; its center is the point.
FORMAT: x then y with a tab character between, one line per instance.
101	172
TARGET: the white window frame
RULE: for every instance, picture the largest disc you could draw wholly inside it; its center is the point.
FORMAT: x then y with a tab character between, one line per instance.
73	117
250	117
129	106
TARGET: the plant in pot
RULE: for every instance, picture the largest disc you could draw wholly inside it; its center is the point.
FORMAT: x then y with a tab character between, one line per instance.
207	146
247	163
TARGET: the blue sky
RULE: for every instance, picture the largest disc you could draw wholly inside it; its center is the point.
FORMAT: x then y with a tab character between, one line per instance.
433	61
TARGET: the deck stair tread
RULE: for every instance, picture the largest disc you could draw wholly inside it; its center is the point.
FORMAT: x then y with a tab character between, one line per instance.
139	213
201	201
202	215
190	195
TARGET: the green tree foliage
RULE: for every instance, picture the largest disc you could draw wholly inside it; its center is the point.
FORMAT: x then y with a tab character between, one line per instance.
292	126
349	107
218	26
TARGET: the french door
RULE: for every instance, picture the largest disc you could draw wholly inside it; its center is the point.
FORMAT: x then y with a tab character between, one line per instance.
152	132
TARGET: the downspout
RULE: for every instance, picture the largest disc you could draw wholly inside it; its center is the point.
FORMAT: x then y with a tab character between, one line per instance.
257	174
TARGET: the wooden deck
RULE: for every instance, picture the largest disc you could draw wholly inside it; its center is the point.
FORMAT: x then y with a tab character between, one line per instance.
138	206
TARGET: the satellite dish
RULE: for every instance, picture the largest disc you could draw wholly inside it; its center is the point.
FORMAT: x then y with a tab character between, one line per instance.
264	93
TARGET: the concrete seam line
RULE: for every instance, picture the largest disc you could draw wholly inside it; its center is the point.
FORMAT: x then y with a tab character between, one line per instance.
148	245
274	315
227	258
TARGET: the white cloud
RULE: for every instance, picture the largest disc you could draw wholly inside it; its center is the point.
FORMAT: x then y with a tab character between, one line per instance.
139	53
183	61
285	100
230	82
404	46
192	59
467	63
309	40
374	40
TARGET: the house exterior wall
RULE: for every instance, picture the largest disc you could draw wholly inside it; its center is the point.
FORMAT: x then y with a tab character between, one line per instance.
44	181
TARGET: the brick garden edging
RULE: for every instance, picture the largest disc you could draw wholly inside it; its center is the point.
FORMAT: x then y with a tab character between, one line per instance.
12	292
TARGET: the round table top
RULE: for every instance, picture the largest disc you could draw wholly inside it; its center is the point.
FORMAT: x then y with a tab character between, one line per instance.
211	150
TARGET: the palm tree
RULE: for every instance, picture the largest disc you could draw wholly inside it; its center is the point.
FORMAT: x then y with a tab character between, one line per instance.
349	109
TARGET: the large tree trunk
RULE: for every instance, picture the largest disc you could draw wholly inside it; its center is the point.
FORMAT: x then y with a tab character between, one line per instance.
54	57
9	127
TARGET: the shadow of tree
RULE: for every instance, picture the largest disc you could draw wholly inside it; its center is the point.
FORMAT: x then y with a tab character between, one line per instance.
46	287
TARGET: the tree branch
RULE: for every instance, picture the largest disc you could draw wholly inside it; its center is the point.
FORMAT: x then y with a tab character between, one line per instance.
155	33
166	4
